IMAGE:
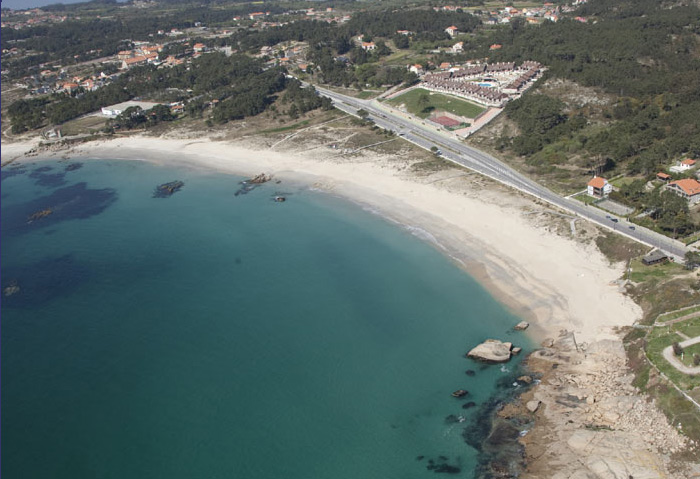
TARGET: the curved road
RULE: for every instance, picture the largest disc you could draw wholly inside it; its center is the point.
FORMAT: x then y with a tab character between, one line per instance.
454	150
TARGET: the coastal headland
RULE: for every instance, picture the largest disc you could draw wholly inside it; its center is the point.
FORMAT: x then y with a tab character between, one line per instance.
529	256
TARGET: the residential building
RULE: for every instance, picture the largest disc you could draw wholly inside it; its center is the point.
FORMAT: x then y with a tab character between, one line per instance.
368	46
452	31
688	189
417	69
599	187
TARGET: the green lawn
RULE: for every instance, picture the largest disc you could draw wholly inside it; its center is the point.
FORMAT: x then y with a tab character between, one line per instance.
661	337
436	101
639	272
678	314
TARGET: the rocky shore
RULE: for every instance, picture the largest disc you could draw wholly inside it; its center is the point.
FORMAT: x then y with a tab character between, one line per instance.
590	421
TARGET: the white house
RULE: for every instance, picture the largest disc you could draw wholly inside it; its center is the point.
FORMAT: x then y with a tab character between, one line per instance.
684	165
451	31
368	46
417	69
599	187
458	47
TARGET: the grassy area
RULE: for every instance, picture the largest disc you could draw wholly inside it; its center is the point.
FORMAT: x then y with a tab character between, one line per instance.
660	338
585	198
366	94
85	124
689	353
691	239
618	248
678	314
639	272
436	101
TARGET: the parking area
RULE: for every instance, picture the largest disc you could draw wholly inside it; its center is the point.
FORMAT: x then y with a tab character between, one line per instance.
613	207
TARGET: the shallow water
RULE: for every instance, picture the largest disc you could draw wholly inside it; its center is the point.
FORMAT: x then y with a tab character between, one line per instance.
212	335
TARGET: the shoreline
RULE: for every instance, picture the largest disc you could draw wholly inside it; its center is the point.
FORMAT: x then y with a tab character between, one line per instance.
520	264
500	237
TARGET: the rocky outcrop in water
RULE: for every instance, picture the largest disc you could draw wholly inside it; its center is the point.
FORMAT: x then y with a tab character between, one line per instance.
39	214
492	351
166	190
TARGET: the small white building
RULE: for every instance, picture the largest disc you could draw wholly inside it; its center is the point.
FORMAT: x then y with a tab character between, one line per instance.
458	47
114	111
599	187
368	46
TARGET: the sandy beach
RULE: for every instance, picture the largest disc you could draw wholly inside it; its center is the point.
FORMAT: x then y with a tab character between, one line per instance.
547	274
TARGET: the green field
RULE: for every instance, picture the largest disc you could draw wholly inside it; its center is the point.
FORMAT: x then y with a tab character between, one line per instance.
436	101
639	272
661	337
678	314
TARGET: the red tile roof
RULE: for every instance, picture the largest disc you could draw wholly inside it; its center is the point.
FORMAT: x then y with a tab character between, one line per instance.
689	186
597	182
688	161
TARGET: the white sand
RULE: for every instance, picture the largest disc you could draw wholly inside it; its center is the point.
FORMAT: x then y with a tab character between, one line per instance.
553	281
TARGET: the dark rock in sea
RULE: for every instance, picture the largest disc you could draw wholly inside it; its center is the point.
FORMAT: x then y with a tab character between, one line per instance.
166	190
73	166
468	405
452	419
68	203
470	372
37	283
447	468
259	179
500	454
245	189
39	214
10	171
460	393
280	199
44	178
420	458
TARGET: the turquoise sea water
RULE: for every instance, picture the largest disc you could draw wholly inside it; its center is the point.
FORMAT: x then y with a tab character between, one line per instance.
211	335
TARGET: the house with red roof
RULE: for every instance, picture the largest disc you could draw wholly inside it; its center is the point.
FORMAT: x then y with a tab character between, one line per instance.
688	189
683	165
663	176
452	31
599	187
368	46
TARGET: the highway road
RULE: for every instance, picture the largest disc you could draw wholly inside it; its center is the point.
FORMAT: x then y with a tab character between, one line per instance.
452	149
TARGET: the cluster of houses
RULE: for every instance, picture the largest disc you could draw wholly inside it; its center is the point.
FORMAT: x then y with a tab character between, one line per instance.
686	188
142	54
481	82
18	19
548	11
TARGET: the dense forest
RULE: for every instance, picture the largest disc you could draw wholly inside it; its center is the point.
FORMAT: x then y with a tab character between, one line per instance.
238	84
645	55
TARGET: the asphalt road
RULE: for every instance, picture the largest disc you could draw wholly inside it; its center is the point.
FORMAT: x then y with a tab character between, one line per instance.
454	150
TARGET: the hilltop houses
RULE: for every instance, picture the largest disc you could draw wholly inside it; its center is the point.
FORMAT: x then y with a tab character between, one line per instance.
688	189
599	187
368	46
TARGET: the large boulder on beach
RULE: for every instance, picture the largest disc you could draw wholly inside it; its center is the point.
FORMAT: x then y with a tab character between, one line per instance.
491	351
521	326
